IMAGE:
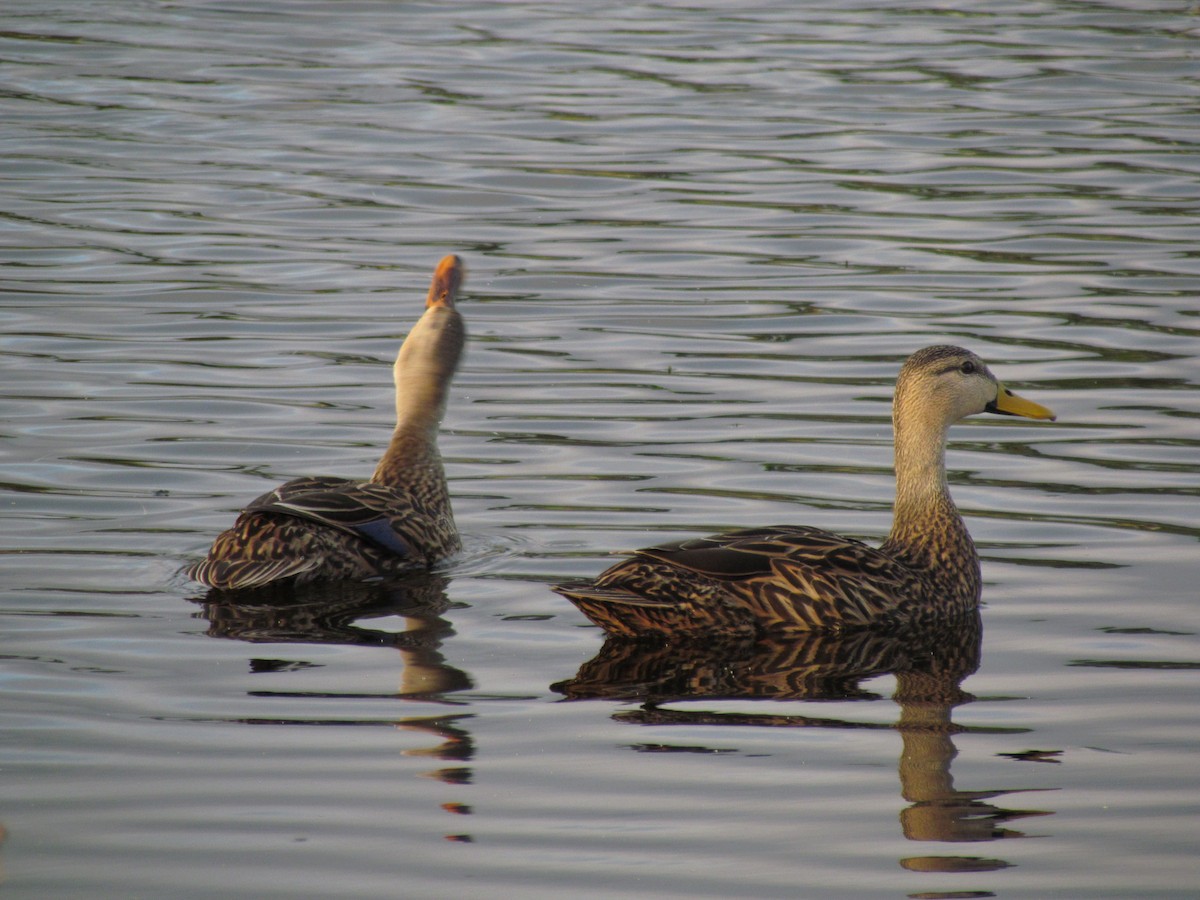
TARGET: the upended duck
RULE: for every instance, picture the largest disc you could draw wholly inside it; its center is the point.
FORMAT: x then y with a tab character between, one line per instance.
320	528
795	578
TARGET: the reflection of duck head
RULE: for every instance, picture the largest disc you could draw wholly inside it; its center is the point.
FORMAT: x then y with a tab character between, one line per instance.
937	810
329	613
929	667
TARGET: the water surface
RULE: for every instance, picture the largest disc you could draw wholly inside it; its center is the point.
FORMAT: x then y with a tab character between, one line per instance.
700	240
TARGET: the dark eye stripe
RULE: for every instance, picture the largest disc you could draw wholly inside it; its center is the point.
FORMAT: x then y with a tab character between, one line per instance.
959	367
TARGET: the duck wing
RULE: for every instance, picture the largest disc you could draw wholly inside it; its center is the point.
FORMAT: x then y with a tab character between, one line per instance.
316	527
779	578
374	512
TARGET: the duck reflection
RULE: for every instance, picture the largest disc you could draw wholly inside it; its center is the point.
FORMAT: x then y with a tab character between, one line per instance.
334	613
929	667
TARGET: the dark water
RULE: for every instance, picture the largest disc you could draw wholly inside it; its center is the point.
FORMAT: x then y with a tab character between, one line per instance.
700	240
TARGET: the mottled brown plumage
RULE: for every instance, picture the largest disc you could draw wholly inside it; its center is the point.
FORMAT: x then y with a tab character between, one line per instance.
794	578
319	529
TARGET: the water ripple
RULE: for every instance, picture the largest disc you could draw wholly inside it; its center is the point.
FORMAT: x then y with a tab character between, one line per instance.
700	241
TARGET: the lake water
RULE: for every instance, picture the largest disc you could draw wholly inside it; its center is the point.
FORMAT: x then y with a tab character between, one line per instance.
700	239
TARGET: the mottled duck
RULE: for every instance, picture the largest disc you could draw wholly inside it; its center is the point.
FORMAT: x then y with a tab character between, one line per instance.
796	578
322	529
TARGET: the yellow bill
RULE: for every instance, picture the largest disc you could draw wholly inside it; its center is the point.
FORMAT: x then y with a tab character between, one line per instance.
1009	404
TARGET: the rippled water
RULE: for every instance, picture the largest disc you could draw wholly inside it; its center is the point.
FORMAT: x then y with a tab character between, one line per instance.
700	240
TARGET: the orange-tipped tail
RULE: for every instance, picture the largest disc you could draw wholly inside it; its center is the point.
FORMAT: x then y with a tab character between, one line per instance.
447	279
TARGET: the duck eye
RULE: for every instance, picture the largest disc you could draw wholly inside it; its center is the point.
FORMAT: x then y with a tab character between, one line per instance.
967	368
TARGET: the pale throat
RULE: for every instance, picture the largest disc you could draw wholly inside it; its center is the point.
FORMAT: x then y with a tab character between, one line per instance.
420	403
924	512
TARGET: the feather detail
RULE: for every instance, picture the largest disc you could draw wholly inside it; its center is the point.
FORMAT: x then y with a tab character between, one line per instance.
764	580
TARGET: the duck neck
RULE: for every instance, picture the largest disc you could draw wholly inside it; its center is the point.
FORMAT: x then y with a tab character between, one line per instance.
413	447
927	531
422	373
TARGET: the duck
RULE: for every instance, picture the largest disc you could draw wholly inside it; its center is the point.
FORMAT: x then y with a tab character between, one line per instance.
789	578
320	528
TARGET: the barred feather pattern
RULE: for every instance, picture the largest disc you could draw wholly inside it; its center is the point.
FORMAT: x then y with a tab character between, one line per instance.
313	529
766	581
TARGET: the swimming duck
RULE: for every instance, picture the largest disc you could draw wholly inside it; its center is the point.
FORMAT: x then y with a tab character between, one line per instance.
795	578
320	528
